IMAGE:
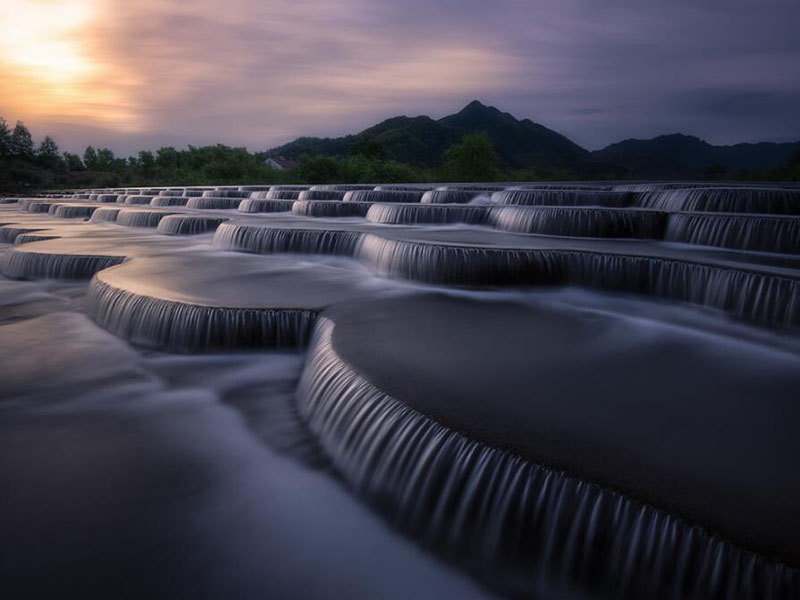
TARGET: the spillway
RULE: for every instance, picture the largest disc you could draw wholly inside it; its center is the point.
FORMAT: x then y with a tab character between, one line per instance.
413	214
188	224
225	193
105	214
565	197
26	263
261	205
140	218
322	194
169	201
746	232
383	196
72	211
268	240
330	208
579	222
720	199
139	199
215	203
448	196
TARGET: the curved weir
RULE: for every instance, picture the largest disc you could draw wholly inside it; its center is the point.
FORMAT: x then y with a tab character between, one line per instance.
267	240
406	196
140	218
24	263
330	208
138	199
411	214
106	198
263	205
105	214
450	196
580	222
746	232
743	293
169	201
564	197
72	211
225	193
215	203
513	522
9	233
314	194
188	224
718	199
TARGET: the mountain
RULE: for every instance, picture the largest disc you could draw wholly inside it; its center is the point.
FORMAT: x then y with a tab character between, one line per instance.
422	141
685	156
520	144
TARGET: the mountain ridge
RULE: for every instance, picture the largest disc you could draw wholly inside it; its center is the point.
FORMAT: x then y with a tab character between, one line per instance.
522	144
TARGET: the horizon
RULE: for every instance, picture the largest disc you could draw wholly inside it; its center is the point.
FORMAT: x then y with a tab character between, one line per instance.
100	73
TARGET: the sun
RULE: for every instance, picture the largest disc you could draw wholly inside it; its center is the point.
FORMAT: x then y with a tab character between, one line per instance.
48	65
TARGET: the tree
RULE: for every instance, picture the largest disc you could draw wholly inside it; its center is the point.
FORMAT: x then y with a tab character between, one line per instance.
167	158
368	148
105	159
147	162
5	138
90	158
73	162
21	142
48	152
714	171
472	159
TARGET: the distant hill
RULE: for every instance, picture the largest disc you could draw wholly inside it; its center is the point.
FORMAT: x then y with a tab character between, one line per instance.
685	156
422	141
520	144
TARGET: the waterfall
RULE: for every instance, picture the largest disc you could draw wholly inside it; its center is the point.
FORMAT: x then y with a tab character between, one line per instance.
268	240
140	218
105	198
564	197
9	234
254	188
412	214
448	196
105	214
718	199
743	293
25	264
33	206
743	232
9	200
383	196
283	194
225	193
336	187
580	222
321	194
214	203
28	237
72	211
508	520
180	327
140	199
188	224
169	201
194	193
174	192
259	205
329	208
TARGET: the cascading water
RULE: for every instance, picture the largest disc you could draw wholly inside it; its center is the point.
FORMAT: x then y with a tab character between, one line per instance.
510	521
139	199
746	294
188	224
411	214
184	327
267	240
744	232
25	264
225	193
140	218
328	208
169	201
313	194
215	203
383	196
72	211
580	222
260	205
719	199
105	214
448	196
565	197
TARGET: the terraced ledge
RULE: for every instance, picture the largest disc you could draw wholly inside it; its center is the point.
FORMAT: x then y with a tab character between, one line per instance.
514	522
25	263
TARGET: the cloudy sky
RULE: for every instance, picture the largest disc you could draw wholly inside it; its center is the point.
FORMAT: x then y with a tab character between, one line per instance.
145	73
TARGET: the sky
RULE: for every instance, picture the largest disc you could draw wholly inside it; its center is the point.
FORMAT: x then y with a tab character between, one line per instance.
138	74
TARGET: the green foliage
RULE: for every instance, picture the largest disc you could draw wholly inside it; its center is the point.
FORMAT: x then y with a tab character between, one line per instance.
21	142
73	162
472	159
5	138
368	148
90	158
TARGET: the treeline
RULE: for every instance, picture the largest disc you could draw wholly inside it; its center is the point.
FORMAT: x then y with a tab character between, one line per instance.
23	165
